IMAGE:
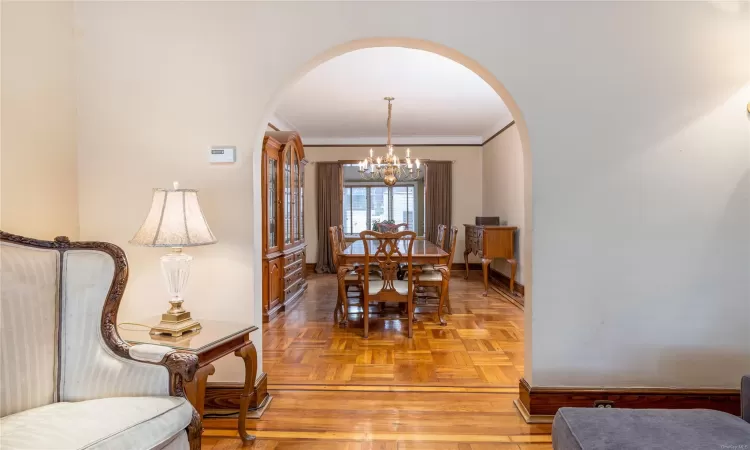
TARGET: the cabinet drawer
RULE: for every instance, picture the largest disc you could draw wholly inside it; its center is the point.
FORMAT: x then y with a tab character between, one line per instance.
293	267
291	290
292	278
293	258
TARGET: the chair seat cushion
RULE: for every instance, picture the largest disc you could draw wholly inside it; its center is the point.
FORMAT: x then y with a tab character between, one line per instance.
432	275
109	423
376	285
635	429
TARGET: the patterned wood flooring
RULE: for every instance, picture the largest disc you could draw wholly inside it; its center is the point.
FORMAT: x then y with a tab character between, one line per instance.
481	347
448	388
385	421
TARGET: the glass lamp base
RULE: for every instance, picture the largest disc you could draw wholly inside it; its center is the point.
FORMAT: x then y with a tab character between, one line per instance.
176	321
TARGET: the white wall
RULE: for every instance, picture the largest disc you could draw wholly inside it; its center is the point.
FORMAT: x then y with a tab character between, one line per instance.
634	114
502	189
467	187
38	160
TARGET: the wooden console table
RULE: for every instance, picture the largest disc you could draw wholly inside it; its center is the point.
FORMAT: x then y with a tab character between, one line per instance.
214	340
490	242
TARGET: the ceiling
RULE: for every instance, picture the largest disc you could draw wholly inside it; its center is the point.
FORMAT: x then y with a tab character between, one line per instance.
437	100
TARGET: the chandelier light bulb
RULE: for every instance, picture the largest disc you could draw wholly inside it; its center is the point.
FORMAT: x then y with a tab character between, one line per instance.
389	167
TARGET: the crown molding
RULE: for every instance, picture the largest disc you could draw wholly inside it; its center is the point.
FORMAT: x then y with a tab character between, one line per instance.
280	123
417	141
512	122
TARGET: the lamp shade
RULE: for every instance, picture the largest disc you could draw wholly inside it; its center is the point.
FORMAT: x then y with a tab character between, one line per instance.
175	220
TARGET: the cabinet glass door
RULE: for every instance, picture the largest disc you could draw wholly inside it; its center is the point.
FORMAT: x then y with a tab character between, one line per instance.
287	196
298	201
302	201
294	197
273	204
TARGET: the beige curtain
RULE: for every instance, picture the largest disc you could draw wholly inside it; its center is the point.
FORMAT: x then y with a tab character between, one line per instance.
329	198
438	188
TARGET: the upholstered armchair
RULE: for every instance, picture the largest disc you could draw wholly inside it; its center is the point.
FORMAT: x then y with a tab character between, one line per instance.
68	380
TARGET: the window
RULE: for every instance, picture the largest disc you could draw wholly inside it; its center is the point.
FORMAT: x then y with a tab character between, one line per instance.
366	205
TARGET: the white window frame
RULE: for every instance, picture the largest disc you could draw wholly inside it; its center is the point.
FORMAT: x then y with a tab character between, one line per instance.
368	185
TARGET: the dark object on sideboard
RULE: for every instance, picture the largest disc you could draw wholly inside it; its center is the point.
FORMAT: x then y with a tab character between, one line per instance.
486	221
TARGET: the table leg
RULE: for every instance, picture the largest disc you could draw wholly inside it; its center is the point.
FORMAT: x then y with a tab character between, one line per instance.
485	273
250	356
466	261
196	389
445	271
513	267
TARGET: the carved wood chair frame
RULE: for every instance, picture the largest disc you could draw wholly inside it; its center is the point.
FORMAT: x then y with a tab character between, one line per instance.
389	258
181	366
445	276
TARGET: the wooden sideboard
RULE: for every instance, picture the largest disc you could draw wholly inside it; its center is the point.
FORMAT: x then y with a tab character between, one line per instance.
489	242
283	178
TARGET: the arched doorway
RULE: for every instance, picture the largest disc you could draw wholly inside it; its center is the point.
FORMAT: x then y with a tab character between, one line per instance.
459	58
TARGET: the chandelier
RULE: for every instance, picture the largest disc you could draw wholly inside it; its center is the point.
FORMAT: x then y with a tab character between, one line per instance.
389	168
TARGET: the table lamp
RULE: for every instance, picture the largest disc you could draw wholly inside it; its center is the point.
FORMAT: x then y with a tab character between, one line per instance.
175	221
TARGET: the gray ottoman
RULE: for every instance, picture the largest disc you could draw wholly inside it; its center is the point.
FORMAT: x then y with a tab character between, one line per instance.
644	429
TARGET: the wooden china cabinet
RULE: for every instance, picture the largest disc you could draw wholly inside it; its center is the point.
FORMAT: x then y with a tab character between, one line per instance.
283	178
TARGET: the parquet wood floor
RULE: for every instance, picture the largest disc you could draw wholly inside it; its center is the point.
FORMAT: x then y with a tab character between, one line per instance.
482	345
448	388
384	420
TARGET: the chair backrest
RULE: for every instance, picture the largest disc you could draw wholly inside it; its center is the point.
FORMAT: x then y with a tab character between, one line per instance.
333	237
452	241
390	227
440	242
342	240
58	327
389	251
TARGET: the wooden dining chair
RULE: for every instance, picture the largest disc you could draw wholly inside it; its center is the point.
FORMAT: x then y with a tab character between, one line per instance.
342	238
439	277
390	227
352	278
388	255
440	242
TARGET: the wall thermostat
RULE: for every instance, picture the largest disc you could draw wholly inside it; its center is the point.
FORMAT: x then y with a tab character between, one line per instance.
222	154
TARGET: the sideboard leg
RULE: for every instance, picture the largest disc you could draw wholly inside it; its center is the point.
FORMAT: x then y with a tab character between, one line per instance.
513	267
466	261
485	273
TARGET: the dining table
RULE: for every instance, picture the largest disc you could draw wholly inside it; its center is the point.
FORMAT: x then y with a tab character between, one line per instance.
423	252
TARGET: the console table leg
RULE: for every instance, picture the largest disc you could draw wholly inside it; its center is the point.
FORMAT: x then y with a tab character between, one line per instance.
250	356
513	267
196	389
466	261
485	273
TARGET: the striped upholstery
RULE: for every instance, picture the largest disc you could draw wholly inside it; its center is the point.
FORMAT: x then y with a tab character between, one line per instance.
28	288
88	369
76	394
131	423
